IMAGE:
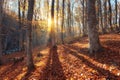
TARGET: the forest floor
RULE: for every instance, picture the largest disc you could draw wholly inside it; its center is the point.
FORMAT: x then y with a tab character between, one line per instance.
72	62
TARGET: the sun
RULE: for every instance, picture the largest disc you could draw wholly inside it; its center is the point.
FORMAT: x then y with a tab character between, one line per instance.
49	24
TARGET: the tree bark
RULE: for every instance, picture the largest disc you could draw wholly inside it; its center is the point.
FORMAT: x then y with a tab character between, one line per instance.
119	21
23	21
73	29
30	64
52	33
116	9
20	26
105	17
110	15
101	16
83	20
1	13
57	20
69	18
62	27
94	42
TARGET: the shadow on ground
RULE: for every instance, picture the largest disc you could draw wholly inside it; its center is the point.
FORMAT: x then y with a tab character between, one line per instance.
8	72
53	69
75	51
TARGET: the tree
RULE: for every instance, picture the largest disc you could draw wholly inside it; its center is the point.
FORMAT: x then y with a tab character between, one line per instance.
20	29
101	16
83	10
116	9
94	42
30	64
23	21
1	11
110	15
69	18
105	16
62	27
119	22
52	33
57	19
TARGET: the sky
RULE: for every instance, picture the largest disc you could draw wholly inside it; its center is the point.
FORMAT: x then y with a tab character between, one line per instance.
14	7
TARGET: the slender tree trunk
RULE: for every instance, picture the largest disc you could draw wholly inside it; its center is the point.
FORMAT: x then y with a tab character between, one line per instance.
86	17
119	20
30	64
57	22
94	42
20	26
83	20
23	21
101	17
69	18
116	9
105	17
1	13
110	15
47	10
98	14
62	27
80	30
73	27
52	33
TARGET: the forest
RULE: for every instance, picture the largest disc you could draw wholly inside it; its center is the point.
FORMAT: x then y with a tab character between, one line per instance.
59	39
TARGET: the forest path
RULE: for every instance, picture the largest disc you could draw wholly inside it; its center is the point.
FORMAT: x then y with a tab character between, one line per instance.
71	62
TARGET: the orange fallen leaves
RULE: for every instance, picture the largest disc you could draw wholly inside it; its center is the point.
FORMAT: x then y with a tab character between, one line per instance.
73	62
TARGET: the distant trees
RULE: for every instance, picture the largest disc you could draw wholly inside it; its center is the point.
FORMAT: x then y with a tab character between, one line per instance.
30	64
94	42
72	17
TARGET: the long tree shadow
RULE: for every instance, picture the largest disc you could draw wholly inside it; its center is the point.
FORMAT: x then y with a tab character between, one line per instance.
112	43
101	71
9	70
110	54
53	69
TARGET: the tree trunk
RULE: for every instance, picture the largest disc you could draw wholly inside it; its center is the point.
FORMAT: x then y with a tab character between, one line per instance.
119	20
98	14
62	30
73	27
86	25
83	20
57	21
94	42
52	33
1	11
47	12
105	17
69	18
116	9
23	21
101	17
30	64
20	29
110	15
